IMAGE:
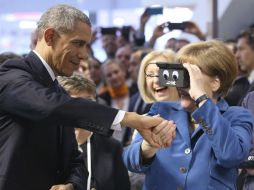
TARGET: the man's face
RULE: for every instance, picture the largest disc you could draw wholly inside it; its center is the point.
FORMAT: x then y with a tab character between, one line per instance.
123	54
179	44
69	49
83	69
109	44
245	55
95	71
114	75
171	44
134	66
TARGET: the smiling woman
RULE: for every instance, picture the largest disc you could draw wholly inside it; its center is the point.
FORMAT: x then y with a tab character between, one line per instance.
148	78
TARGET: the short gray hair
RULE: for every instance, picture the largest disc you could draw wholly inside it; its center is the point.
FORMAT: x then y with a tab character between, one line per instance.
62	18
76	84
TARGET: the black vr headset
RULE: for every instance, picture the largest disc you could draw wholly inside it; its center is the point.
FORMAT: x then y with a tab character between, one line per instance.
173	74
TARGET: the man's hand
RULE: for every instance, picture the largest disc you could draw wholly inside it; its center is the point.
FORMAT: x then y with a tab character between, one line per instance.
192	28
68	186
153	129
143	20
166	131
158	32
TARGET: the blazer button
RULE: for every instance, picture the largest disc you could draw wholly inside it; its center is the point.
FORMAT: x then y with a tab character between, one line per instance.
204	124
187	151
205	128
200	120
183	169
209	131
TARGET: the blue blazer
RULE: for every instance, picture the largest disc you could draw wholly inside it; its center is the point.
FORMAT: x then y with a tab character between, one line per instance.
206	160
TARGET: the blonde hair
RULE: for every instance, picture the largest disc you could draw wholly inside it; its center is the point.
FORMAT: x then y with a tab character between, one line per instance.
214	59
169	55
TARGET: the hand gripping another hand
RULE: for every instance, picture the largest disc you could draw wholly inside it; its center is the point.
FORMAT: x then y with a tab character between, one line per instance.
155	130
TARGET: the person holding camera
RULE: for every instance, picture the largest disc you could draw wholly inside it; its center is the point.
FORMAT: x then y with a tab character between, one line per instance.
212	139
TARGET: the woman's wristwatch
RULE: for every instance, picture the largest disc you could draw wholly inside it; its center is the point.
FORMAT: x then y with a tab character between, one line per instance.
201	99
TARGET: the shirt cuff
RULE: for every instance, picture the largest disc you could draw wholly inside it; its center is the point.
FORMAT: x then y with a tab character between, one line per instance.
116	123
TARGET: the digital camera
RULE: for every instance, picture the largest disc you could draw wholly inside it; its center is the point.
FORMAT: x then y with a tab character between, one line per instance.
174	26
173	74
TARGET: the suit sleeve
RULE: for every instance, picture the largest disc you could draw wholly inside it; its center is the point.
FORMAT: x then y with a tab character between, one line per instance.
78	172
25	98
248	103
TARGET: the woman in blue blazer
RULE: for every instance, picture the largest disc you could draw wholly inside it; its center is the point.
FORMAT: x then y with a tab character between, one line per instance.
211	140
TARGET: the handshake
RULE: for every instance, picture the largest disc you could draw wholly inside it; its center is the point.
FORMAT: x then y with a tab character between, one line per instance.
157	131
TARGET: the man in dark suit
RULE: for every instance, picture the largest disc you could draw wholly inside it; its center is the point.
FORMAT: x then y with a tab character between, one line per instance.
37	144
246	177
245	59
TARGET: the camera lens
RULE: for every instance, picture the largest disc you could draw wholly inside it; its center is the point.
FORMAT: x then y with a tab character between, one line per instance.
166	74
175	75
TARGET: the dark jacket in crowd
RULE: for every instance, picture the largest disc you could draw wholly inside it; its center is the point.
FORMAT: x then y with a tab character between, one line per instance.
108	169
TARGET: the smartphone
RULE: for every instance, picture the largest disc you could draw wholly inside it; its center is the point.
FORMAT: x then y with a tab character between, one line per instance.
169	26
108	30
154	10
173	74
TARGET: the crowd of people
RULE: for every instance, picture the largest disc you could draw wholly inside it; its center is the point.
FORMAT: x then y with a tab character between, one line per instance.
69	121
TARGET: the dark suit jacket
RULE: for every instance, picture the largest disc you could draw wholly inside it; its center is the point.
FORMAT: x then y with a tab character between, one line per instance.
244	177
108	170
238	91
251	88
37	144
137	105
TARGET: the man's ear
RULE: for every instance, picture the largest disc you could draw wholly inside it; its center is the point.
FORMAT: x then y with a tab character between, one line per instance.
216	84
49	35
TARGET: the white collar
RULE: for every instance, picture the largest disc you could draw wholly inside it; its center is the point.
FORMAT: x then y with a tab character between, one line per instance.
251	76
46	65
